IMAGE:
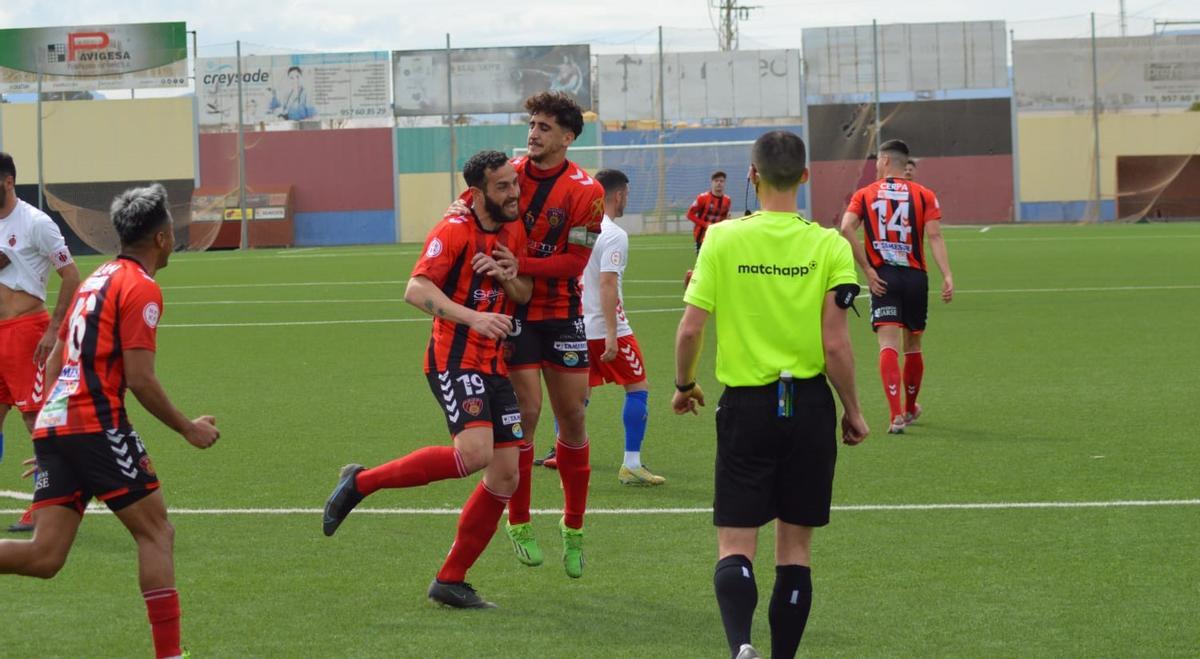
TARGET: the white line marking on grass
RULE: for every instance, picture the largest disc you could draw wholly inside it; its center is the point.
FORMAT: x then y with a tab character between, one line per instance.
386	282
883	507
1087	289
985	230
1038	239
337	301
22	496
363	321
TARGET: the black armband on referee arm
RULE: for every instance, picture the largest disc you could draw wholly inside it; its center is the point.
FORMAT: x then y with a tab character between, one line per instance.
844	294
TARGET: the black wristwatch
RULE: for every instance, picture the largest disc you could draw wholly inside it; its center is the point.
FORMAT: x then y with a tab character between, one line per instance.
684	388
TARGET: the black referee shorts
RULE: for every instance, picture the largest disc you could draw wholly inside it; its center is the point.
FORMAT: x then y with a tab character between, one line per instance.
770	467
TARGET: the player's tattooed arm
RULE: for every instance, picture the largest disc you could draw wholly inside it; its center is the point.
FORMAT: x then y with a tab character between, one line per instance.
428	297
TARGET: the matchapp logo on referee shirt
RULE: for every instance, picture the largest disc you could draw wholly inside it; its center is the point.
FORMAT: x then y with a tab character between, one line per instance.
777	270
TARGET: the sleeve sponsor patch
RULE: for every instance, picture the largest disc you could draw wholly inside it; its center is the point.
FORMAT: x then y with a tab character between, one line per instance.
435	249
582	237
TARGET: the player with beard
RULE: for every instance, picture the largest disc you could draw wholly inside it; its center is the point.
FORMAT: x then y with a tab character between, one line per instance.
467	280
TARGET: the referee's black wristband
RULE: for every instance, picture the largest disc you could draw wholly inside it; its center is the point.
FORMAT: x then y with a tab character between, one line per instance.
684	388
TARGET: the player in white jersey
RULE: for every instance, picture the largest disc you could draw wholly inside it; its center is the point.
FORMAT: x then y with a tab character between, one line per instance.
30	246
615	355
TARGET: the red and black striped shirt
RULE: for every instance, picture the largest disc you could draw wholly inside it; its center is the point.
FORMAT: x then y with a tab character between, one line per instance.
894	212
708	209
562	210
446	262
116	309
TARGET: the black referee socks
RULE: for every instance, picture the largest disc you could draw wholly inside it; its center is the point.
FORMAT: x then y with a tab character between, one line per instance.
790	604
737	595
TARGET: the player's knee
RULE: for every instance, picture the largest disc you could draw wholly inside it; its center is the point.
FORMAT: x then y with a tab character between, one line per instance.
475	457
504	482
530	409
46	565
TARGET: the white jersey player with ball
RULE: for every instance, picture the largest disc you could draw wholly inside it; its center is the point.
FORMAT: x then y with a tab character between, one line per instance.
31	245
613	351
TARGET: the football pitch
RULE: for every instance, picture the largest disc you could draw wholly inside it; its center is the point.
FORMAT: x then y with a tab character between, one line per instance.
1046	504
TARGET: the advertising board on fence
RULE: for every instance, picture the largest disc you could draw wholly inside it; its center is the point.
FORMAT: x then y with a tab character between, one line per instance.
91	57
710	85
1150	72
308	87
488	80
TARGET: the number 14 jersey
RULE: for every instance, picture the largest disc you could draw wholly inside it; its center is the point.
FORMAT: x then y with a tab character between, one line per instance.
894	212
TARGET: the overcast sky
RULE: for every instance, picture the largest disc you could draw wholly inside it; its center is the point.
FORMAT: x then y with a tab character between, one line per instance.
608	25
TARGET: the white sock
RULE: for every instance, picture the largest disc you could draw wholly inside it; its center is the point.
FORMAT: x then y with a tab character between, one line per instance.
633	459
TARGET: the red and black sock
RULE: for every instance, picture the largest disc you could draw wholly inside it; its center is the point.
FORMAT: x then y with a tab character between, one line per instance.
518	505
162	606
914	368
476	525
889	368
421	467
575	472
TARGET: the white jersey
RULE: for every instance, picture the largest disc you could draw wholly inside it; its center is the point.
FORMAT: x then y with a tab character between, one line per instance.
610	254
33	244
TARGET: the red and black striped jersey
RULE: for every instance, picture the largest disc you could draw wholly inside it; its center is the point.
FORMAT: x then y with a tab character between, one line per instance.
562	209
708	209
116	309
446	262
894	212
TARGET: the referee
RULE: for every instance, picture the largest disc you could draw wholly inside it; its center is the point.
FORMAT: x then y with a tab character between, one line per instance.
779	286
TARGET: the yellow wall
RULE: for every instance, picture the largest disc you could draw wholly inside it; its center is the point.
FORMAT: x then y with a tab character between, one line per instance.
423	202
1056	150
94	141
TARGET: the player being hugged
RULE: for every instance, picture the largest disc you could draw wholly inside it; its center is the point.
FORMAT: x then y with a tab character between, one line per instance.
467	280
896	215
83	442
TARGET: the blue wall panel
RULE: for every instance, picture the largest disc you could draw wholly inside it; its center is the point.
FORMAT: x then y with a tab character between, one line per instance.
345	228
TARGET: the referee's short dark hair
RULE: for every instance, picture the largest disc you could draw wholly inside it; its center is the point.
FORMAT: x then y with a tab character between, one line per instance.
780	158
138	212
896	148
612	180
476	169
7	166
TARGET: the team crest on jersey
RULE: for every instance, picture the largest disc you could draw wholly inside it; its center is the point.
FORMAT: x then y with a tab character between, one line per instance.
434	250
146	465
473	406
556	216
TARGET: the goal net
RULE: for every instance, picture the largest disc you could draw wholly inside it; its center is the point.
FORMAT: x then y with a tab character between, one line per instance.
664	179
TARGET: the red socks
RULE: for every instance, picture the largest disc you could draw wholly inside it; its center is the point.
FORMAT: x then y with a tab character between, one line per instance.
889	368
421	467
518	505
476	525
162	605
575	470
914	368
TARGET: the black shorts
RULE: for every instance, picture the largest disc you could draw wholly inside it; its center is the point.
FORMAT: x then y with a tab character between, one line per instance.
557	344
111	466
906	302
471	399
770	467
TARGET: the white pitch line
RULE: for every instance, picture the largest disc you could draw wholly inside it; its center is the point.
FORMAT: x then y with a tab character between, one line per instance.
882	507
22	496
365	321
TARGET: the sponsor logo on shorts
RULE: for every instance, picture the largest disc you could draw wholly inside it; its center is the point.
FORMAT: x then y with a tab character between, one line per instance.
570	359
146	465
510	419
570	345
881	312
515	332
473	406
42	481
517	432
